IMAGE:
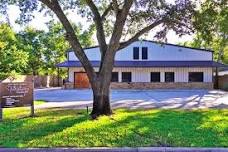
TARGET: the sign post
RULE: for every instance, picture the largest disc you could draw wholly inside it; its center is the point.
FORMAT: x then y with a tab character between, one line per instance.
32	110
32	102
17	93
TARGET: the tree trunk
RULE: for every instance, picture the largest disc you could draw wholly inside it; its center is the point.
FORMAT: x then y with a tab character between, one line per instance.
101	87
101	101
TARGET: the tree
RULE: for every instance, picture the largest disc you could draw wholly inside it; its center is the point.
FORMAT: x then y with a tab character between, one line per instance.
131	18
12	58
30	42
55	45
211	25
212	28
47	48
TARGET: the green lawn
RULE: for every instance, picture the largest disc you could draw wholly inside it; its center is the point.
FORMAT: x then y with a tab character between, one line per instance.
73	128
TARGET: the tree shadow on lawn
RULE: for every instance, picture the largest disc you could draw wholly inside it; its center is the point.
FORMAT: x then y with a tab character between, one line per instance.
131	128
164	128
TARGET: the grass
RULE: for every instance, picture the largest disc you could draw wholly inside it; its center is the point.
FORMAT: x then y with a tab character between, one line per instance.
73	128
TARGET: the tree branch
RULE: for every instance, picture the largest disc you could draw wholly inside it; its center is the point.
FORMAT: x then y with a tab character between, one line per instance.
120	22
140	33
110	7
72	38
115	6
99	26
121	17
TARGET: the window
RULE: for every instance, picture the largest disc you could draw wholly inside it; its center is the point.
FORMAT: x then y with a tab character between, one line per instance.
136	53
195	76
144	53
126	76
115	77
169	76
155	76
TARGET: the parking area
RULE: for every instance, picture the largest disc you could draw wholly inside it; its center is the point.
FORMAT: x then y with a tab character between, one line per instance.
159	98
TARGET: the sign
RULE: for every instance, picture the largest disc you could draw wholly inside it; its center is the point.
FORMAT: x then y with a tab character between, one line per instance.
17	92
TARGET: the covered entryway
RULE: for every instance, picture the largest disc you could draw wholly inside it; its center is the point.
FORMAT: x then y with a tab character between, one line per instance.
81	80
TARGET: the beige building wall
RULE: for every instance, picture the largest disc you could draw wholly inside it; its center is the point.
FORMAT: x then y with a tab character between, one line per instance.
143	74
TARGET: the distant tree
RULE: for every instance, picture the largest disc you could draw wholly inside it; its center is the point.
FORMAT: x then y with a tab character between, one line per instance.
114	19
12	58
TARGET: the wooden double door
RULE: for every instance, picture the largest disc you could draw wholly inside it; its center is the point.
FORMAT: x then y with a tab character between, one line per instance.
81	80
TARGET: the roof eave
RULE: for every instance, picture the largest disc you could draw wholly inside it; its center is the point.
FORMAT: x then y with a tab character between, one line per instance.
156	42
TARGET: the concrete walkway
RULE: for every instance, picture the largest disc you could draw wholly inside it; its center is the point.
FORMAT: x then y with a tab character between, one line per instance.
126	149
134	99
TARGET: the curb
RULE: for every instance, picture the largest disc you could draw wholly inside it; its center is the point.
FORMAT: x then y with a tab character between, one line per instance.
124	149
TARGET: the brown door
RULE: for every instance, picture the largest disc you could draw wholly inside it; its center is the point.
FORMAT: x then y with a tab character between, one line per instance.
81	80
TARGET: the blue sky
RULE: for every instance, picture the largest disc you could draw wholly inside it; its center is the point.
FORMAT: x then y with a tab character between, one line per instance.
39	23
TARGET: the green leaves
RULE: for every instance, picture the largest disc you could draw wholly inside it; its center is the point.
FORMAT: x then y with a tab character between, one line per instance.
55	45
12	57
30	42
33	51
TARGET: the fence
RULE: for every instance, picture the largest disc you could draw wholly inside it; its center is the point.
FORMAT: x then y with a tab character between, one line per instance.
47	81
223	82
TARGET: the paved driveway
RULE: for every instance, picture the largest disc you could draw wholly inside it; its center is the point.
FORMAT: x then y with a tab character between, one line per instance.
187	99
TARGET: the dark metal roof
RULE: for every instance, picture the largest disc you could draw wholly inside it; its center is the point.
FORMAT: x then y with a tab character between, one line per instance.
161	43
142	64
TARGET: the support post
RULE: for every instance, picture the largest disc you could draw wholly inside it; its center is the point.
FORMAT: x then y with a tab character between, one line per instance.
1	112
216	78
68	70
58	77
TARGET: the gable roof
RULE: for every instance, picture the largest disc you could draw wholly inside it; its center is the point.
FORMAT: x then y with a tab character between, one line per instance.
155	42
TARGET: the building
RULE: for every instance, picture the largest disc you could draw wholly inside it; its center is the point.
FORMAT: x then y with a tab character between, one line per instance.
147	65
